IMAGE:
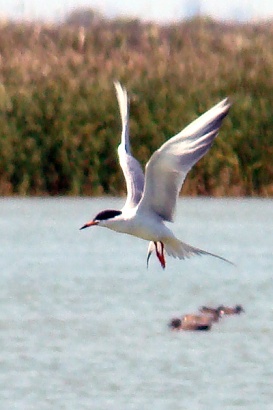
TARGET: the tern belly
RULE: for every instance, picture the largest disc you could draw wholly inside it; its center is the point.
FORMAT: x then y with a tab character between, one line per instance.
145	228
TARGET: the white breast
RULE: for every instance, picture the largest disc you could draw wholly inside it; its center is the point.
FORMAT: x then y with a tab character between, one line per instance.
141	226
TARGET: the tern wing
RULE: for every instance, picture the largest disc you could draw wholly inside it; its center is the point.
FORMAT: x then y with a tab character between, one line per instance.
169	165
131	168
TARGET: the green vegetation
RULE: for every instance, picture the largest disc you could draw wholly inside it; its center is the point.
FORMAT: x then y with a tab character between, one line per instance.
60	122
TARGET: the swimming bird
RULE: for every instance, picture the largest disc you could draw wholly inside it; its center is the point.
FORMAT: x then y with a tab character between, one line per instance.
236	310
190	323
151	199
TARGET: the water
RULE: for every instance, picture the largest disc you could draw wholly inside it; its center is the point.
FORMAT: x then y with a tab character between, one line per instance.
83	324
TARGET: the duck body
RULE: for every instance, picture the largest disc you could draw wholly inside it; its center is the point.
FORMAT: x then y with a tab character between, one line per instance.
191	322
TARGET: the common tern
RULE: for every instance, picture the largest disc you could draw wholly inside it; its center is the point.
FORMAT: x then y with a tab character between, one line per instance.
151	199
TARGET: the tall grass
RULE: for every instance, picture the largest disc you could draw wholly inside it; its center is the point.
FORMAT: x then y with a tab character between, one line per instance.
60	123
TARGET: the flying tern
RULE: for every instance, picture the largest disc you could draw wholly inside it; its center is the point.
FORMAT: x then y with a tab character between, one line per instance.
151	199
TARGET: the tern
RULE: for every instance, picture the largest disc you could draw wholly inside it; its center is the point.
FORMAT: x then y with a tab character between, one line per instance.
151	198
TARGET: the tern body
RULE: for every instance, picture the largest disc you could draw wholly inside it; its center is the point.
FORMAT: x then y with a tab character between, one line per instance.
151	198
146	226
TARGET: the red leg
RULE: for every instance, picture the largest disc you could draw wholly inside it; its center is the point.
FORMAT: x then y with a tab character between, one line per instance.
160	254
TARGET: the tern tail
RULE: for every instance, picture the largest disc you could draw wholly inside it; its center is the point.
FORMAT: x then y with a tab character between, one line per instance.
178	249
182	250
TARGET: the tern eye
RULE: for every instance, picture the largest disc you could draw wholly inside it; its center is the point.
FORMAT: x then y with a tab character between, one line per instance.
107	214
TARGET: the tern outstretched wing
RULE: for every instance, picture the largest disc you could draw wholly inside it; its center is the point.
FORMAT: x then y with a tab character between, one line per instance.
169	165
131	168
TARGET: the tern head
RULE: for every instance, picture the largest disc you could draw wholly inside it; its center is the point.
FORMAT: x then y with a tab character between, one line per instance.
102	217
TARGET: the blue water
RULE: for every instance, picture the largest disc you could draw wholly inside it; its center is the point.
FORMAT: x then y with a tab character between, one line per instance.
83	324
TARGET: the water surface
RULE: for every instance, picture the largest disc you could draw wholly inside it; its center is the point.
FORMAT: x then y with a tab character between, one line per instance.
83	324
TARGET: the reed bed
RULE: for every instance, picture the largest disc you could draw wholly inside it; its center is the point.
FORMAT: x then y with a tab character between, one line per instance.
60	123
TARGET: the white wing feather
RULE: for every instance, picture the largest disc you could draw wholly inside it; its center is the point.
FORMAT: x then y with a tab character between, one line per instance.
131	168
169	165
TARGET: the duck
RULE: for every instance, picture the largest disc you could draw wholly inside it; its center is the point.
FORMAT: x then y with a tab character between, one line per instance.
236	310
191	322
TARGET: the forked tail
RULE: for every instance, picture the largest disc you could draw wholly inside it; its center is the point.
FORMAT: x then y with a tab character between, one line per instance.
178	249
